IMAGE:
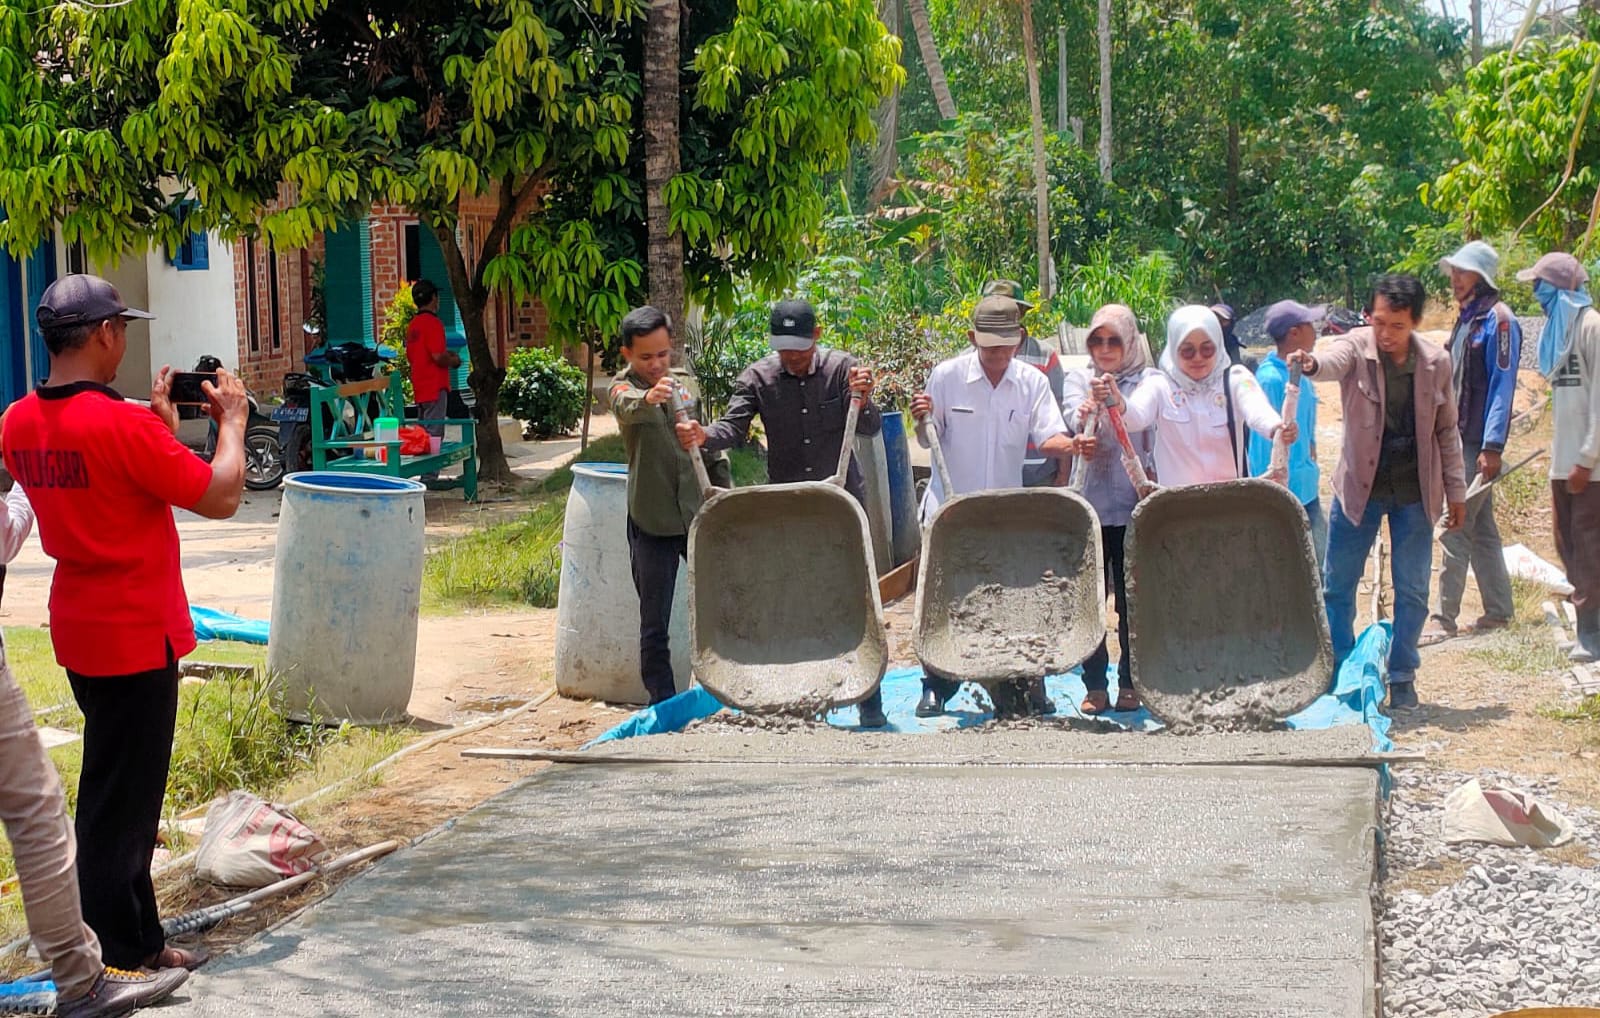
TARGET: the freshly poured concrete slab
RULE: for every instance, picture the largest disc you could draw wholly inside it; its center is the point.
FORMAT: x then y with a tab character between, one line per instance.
701	890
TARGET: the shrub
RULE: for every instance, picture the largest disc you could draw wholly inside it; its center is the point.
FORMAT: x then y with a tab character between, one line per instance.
721	347
396	320
544	391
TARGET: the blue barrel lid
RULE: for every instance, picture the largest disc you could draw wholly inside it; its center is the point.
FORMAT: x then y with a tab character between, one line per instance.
332	482
604	470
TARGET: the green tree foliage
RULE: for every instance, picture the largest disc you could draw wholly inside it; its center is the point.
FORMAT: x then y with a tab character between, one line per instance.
1529	132
286	117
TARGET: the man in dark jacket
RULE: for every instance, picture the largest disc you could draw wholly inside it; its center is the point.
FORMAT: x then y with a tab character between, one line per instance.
802	392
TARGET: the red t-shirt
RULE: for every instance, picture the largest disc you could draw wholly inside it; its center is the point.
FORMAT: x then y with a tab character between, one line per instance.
103	475
424	342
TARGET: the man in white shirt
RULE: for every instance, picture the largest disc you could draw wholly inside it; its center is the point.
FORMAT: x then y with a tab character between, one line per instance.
988	407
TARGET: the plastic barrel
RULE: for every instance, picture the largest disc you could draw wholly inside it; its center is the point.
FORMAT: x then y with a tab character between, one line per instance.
597	608
907	534
869	453
345	593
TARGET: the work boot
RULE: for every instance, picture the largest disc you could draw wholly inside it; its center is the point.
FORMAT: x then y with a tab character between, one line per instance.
931	705
118	991
1587	649
1039	701
1402	696
870	713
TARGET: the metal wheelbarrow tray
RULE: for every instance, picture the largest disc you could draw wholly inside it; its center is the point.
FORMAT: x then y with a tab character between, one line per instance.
1225	605
1010	586
784	613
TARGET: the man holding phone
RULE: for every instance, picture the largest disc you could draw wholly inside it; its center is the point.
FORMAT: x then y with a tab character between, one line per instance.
103	475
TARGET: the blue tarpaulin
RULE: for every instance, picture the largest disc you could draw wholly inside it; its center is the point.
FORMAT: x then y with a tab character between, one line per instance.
210	624
1357	692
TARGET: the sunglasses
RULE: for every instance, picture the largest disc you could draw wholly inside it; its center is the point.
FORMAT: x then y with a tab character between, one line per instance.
1095	341
1189	353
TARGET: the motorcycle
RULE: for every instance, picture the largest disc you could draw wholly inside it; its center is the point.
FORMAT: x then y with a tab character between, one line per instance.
329	364
263	454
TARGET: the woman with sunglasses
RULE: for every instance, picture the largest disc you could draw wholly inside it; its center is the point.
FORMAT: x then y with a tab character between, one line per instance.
1199	404
1118	350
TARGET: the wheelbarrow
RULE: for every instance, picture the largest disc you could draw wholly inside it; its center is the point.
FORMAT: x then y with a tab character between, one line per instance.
1010	586
784	614
1226	623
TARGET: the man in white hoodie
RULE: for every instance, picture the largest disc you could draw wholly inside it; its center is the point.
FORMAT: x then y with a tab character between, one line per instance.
1569	355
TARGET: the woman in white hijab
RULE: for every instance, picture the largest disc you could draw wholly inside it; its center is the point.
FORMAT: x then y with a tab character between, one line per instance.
1193	400
1117	348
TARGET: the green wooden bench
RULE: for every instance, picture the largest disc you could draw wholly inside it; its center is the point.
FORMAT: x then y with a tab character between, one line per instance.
354	409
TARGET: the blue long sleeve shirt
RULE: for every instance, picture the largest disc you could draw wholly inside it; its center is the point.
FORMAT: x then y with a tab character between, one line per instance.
1305	476
1485	350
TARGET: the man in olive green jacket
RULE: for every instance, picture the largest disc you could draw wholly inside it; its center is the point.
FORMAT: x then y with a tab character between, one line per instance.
663	494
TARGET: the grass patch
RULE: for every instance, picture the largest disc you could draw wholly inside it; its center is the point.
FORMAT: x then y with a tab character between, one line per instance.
518	563
227	736
1586	710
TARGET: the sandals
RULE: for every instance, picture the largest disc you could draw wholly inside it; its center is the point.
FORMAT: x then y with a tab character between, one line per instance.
1128	700
1096	703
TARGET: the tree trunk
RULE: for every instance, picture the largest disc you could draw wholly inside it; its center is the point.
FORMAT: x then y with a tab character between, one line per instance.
930	58
1477	31
887	120
1231	185
662	157
472	300
1104	30
1041	178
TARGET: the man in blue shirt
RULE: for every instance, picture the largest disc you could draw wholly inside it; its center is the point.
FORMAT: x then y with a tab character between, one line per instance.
1293	326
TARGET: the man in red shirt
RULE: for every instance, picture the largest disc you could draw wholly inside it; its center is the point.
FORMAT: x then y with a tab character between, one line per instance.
103	476
431	360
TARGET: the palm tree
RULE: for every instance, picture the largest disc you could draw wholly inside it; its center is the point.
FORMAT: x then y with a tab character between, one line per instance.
930	58
662	157
1041	180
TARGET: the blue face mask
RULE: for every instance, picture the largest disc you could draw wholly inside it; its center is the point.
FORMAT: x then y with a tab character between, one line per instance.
1544	293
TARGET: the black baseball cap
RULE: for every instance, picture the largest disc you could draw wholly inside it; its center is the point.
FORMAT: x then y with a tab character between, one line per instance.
82	300
793	325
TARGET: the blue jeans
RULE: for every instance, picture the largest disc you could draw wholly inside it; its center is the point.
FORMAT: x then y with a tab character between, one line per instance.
1410	567
1319	530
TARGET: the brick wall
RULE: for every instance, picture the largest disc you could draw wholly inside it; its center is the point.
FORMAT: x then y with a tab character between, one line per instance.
510	323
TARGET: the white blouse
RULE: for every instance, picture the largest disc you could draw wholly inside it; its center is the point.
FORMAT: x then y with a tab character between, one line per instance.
1192	445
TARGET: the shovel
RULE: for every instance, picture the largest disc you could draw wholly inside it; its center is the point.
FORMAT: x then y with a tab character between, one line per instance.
1480	485
1010	585
784	615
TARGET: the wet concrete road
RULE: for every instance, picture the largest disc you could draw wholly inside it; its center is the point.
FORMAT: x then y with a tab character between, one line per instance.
701	890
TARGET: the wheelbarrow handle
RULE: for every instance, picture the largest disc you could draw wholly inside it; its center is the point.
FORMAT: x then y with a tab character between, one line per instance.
931	431
681	413
1278	466
848	445
1130	459
1080	466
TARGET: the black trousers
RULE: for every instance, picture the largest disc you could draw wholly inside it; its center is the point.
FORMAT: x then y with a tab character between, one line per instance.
1094	669
655	575
127	746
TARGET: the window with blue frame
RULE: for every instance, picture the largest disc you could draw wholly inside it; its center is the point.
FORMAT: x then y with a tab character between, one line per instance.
193	254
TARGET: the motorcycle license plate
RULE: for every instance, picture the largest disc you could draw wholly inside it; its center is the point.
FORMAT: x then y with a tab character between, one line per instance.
292	414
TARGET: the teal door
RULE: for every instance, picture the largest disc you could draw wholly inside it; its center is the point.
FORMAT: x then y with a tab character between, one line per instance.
347	264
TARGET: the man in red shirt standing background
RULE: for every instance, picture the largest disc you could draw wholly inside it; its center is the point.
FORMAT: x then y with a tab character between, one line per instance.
103	476
430	359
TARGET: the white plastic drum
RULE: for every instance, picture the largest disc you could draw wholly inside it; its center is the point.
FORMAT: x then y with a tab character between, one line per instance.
597	612
345	593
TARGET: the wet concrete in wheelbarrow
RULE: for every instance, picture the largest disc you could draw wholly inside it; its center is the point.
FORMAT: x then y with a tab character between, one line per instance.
696	889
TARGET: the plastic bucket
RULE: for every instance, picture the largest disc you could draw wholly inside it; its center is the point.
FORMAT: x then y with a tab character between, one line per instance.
597	607
346	588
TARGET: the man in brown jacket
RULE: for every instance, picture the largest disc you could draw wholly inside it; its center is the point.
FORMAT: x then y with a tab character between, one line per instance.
1401	460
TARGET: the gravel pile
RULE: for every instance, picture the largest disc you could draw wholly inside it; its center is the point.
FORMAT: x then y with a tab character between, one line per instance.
1532	328
1519	929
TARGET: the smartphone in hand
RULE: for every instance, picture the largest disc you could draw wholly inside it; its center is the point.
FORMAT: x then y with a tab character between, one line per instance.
185	387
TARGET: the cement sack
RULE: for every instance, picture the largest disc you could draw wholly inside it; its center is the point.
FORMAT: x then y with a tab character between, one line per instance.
249	842
1520	561
1502	816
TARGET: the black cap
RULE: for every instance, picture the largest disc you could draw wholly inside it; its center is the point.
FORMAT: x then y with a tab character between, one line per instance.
82	300
793	325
